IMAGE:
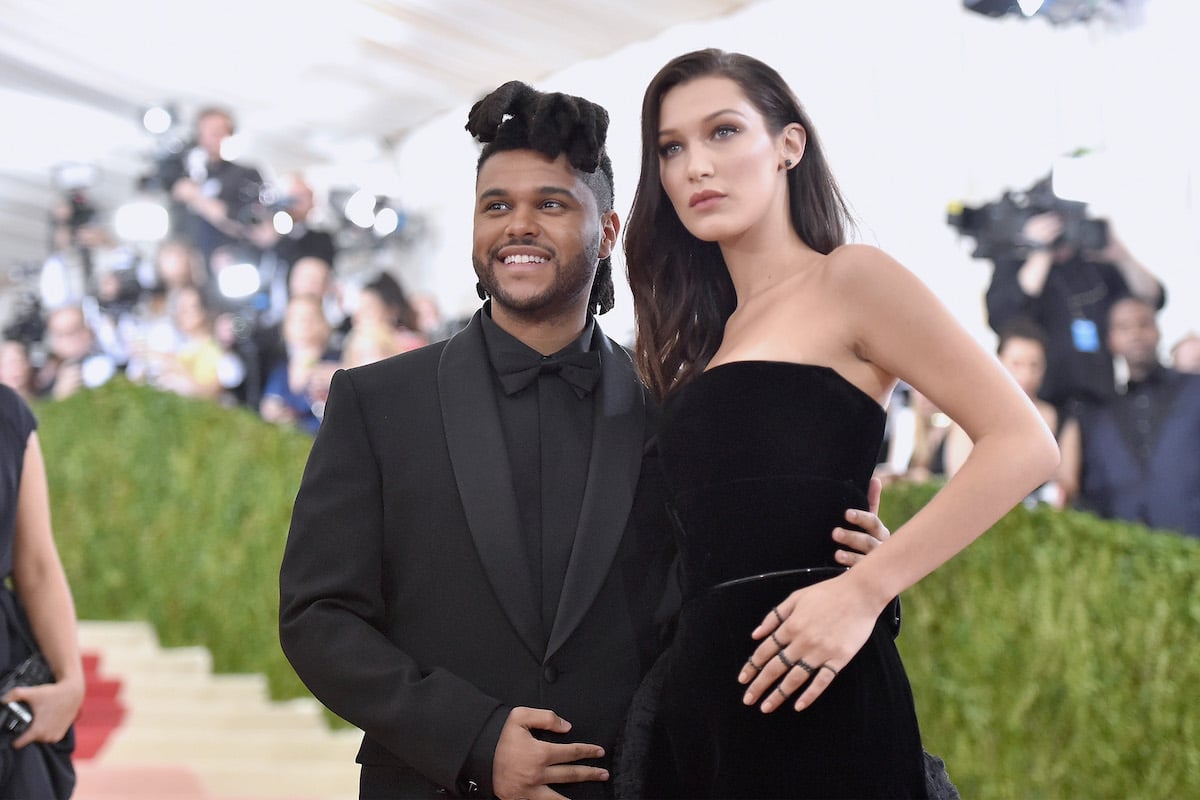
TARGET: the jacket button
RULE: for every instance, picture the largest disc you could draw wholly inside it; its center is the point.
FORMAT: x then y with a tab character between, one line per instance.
550	674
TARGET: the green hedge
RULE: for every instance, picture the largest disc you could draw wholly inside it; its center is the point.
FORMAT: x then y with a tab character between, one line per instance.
175	511
1059	656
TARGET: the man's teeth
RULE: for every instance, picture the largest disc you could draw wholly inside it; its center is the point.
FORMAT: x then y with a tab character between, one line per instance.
524	260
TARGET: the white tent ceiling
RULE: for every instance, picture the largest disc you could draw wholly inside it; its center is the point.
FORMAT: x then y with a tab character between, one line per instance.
310	83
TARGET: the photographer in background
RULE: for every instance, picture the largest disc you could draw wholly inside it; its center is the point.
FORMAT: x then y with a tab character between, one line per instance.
218	196
1065	275
281	251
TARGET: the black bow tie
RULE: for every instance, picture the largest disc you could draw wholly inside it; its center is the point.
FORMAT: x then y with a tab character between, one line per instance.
581	369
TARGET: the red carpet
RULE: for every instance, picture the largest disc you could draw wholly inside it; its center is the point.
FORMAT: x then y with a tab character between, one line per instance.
101	712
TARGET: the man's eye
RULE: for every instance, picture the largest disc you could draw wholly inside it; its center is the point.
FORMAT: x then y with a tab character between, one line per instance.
496	206
553	204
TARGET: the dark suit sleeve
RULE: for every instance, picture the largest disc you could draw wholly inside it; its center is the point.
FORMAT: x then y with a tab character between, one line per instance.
332	610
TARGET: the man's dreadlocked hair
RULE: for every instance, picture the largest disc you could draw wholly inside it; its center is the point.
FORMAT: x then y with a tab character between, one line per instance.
518	117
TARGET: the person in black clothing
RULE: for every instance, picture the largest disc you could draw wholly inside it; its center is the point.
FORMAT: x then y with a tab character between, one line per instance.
217	197
281	251
36	610
1068	292
1134	457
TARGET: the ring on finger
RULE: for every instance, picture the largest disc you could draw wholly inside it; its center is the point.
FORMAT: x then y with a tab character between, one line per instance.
778	616
831	669
778	643
787	662
804	665
750	663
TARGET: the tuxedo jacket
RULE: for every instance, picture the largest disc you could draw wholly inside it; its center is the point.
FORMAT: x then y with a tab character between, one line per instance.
406	601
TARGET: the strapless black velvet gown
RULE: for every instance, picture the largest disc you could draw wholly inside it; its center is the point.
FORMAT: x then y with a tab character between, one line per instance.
762	459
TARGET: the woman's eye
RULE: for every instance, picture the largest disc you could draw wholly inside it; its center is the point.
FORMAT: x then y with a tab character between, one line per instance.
725	130
669	149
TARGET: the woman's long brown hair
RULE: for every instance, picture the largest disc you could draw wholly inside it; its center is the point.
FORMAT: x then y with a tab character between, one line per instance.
682	292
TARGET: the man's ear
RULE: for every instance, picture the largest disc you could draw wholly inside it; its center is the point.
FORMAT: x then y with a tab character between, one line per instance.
610	226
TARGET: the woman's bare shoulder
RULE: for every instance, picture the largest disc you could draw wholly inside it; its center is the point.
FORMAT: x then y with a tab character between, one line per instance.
854	264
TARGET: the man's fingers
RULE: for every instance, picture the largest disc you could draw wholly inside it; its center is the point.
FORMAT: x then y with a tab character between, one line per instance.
573	751
870	523
539	719
575	773
874	493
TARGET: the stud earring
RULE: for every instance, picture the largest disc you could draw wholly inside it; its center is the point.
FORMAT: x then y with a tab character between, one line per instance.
787	162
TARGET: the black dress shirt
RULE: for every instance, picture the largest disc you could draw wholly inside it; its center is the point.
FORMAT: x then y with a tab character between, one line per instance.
548	430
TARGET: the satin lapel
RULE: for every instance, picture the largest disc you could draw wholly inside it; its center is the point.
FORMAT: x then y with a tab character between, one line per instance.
617	437
482	471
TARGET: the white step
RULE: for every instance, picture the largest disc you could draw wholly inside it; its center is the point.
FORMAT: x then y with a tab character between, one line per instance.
223	728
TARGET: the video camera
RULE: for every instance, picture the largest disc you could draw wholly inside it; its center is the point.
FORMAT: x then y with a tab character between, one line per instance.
997	227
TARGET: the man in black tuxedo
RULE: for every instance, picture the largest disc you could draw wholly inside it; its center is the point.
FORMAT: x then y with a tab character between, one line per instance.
477	550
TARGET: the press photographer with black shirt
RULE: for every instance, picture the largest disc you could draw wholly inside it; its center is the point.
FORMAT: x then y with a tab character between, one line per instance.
1067	287
216	194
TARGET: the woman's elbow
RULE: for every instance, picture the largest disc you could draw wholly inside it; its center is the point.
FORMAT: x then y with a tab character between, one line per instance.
1044	454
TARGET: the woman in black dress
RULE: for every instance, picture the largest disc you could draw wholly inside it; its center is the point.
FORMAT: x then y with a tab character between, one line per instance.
37	609
774	347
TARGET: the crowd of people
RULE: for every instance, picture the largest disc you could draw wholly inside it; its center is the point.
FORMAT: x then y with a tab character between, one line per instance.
174	319
1077	329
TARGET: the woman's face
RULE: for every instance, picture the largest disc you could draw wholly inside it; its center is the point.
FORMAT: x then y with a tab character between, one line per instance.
191	317
372	309
720	165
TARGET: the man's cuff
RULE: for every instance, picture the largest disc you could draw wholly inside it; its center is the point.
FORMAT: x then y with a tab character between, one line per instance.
475	779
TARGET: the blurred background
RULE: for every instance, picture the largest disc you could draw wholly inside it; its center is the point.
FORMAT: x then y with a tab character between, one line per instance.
920	103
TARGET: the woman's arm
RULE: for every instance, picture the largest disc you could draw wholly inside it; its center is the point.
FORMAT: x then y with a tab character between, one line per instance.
900	329
41	584
905	331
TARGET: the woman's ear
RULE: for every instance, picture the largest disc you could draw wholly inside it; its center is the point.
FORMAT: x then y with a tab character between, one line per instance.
792	141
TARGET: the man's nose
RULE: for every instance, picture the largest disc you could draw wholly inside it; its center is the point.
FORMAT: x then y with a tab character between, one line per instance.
522	222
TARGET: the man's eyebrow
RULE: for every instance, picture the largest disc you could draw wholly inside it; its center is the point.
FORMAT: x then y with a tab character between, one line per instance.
542	190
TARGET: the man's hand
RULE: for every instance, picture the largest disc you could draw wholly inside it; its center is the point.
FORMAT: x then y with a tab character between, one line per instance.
1043	229
860	543
524	765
